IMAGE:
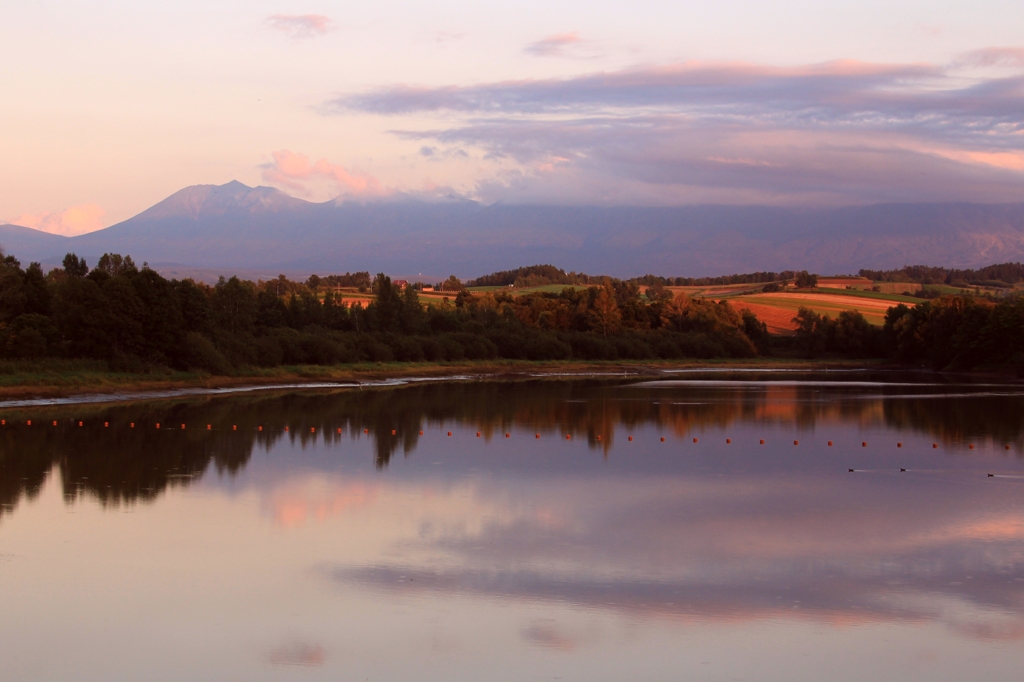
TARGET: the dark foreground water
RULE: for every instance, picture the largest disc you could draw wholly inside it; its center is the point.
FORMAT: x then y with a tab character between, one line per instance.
298	551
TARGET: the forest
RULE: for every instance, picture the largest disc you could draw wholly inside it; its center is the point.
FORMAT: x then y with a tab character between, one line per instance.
133	318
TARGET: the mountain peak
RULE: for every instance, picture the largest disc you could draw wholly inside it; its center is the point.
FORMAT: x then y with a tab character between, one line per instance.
231	197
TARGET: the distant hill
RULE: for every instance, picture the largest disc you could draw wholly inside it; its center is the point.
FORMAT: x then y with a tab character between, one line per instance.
233	226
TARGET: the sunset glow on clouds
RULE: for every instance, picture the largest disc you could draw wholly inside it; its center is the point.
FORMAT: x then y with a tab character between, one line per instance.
562	102
73	221
294	171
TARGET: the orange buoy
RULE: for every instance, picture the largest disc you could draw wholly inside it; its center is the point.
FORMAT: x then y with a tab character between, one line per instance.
158	425
312	429
259	428
29	422
234	427
183	427
536	435
79	423
209	427
694	440
864	444
106	424
477	434
339	431
133	425
568	436
663	439
393	432
449	433
366	430
54	422
1007	447
830	443
762	441
796	442
899	445
728	440
934	445
286	428
599	437
971	446
506	435
631	438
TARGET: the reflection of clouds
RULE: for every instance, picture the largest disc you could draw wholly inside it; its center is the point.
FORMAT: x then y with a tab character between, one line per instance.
546	633
297	653
824	548
298	501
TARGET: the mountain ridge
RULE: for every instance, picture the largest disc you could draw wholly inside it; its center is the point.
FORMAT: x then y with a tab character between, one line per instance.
237	226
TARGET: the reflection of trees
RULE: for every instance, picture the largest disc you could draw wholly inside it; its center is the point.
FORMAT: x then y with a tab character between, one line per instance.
124	465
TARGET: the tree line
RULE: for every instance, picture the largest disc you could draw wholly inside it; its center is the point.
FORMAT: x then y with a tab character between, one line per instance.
998	275
133	318
959	332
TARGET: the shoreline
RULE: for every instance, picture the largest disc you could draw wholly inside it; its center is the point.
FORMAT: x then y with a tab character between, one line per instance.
69	382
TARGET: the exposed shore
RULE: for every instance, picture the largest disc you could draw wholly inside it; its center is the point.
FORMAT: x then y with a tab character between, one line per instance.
60	379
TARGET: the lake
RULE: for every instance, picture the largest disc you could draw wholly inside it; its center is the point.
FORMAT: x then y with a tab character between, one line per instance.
602	528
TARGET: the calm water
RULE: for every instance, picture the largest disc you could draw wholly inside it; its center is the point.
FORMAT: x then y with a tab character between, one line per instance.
377	553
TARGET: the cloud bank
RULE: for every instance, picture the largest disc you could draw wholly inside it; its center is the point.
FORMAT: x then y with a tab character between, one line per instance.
831	133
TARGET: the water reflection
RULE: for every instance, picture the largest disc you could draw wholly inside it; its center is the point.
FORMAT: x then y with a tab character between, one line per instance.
123	464
312	530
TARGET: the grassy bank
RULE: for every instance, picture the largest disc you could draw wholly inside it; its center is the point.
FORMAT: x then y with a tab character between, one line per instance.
56	378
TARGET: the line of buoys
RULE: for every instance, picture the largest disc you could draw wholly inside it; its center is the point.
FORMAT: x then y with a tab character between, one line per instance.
234	427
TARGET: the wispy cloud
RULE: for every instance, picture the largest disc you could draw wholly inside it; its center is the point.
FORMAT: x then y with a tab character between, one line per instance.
555	45
294	171
70	222
836	132
301	26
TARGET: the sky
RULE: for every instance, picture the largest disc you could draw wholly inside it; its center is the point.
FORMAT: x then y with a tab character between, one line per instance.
109	106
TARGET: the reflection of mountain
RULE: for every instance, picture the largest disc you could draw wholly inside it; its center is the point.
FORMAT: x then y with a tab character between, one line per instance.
121	464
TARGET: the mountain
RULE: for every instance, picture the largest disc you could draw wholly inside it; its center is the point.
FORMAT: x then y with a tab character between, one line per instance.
20	241
234	227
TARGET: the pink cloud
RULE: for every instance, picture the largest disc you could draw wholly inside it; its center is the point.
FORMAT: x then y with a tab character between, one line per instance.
294	171
300	25
73	221
555	45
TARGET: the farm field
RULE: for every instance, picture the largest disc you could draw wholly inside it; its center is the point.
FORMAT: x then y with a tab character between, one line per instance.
778	309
